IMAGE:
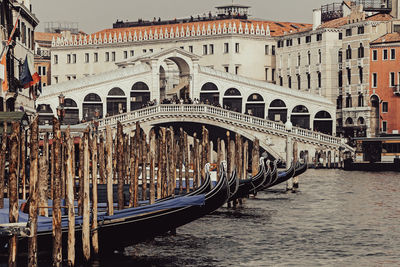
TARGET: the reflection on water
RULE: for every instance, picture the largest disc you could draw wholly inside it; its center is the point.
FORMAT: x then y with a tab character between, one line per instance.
337	219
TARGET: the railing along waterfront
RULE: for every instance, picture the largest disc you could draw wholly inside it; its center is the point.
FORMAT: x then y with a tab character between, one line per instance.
181	110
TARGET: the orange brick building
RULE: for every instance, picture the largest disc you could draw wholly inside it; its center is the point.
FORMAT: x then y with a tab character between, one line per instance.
385	84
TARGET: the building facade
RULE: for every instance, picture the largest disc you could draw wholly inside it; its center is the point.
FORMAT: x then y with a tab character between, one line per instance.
17	98
385	84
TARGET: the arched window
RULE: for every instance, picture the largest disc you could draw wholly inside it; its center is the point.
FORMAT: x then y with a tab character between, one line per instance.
360	121
255	97
298	82
348	52
300	109
209	87
361	51
319	79
323	122
298	59
232	92
116	92
277	111
360	100
309	57
71	112
300	117
92	103
92	98
232	100
289	81
349	121
255	106
319	56
340	56
277	103
140	86
323	115
116	101
349	103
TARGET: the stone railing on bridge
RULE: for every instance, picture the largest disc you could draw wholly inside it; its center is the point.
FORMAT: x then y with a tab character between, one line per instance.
179	110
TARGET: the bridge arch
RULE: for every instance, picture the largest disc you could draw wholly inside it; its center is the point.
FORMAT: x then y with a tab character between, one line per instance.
323	122
300	117
71	112
116	101
92	103
277	110
255	105
232	100
209	93
139	95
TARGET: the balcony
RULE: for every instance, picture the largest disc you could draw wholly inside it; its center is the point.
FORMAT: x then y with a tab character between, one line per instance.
348	63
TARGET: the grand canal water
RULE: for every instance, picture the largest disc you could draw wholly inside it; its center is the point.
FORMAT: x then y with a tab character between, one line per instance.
337	218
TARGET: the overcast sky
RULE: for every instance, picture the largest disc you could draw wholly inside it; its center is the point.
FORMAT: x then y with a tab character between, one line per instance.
95	15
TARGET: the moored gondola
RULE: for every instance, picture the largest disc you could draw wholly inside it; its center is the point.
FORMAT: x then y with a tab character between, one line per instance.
283	176
133	225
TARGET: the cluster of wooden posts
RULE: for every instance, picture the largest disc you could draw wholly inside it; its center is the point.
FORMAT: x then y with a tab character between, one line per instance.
62	166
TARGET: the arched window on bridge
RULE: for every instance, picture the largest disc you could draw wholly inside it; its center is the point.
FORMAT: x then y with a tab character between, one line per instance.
91	103
71	112
323	122
255	106
277	111
45	114
233	100
116	101
140	95
300	117
209	94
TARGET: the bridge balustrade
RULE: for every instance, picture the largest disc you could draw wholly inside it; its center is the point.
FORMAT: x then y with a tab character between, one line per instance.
180	109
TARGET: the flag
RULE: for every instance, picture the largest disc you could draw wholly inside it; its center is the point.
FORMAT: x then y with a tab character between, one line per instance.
28	76
4	83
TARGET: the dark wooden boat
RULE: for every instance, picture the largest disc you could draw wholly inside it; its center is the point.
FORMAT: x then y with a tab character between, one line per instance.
250	185
269	176
124	229
300	168
233	183
283	176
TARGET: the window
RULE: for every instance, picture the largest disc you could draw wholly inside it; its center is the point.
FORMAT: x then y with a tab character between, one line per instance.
298	59
298	82
319	79
266	74
273	50
319	56
55	79
280	80
55	59
44	70
205	49
348	76
40	70
211	49
392	54
68	59
361	51
273	75
96	57
74	58
340	79
113	56
348	52
68	77
151	50
360	30
289	82
385	54
385	107
226	69
107	56
392	79
309	57
348	32
86	57
44	84
236	70
308	39
340	36
384	126
340	56
132	53
298	40
374	80
374	55
266	48
360	74
226	47
348	101
308	81
181	47
191	48
144	51
319	37
237	47
125	54
339	102
360	100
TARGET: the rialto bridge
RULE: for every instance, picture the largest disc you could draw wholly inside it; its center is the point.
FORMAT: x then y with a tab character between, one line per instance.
250	107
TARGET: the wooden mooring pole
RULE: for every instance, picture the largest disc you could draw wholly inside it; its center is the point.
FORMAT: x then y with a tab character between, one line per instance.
3	152
70	182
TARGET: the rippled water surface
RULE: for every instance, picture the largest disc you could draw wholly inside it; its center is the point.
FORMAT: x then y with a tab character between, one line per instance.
336	219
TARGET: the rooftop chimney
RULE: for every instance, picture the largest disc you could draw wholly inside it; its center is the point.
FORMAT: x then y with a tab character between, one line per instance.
316	18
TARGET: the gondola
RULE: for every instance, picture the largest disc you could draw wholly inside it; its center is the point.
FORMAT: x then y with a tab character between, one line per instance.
283	176
134	225
250	185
